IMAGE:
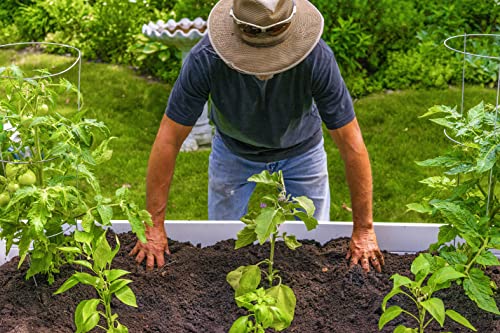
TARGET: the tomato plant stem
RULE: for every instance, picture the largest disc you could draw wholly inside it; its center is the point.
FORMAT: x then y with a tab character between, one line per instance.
39	166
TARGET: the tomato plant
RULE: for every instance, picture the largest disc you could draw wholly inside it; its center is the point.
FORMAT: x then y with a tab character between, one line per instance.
465	197
48	182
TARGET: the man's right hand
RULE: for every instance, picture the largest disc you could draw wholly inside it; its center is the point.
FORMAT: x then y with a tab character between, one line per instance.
154	250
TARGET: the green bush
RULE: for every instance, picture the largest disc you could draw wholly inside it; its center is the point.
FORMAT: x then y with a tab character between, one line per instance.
384	44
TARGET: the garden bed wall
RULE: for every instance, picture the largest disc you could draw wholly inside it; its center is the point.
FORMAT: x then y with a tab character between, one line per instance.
398	238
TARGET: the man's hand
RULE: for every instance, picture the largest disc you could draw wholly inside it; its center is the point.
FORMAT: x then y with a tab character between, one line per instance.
154	250
364	250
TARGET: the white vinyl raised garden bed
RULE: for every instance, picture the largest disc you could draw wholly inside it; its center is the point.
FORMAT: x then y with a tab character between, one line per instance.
393	237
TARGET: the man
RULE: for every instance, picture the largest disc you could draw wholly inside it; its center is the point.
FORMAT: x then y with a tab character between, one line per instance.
272	82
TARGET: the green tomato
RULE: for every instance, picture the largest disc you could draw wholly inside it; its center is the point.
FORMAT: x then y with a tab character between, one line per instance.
26	121
27	178
4	198
13	187
10	170
43	109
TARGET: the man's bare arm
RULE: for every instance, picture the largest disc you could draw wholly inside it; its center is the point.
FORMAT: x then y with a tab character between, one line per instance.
160	172
363	247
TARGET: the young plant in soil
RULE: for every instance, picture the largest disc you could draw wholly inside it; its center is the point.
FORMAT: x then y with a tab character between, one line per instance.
107	282
421	291
47	180
272	306
465	198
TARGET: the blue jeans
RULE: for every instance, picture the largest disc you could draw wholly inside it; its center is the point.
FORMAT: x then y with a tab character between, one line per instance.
229	190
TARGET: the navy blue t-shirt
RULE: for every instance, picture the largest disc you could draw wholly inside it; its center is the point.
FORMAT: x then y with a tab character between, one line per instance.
263	121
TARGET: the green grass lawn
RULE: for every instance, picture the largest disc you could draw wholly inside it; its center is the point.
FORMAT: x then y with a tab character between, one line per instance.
132	107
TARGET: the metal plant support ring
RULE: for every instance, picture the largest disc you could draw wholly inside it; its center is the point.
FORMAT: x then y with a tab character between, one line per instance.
77	61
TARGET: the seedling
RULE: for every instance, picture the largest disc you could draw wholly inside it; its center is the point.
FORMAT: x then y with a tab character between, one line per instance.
273	307
107	282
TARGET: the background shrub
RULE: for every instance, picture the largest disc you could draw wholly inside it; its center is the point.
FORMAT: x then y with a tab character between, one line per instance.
384	44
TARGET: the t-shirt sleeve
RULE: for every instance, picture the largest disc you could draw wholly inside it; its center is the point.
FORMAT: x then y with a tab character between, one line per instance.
329	90
190	91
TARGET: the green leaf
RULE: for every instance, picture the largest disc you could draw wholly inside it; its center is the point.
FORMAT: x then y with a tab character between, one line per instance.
291	242
310	222
400	280
487	159
477	287
476	115
69	249
435	109
246	236
83	237
419	208
68	284
459	217
306	204
435	307
118	284
114	274
263	315
443	122
126	296
420	267
240	325
86	315
244	279
404	329
102	253
88	222
83	263
440	161
106	214
266	224
389	315
86	278
446	234
443	275
285	301
264	178
454	258
453	315
487	258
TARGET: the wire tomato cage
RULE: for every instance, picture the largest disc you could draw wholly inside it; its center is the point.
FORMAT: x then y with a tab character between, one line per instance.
495	38
42	46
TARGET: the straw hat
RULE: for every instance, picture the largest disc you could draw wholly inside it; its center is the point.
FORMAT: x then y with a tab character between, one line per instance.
264	37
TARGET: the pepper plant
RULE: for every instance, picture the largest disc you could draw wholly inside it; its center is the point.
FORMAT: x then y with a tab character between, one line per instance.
431	274
465	198
272	306
94	247
47	179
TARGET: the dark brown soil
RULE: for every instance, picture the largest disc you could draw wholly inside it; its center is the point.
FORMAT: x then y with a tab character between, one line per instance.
191	293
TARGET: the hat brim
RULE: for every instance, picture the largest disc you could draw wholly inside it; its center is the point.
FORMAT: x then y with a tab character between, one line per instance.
303	35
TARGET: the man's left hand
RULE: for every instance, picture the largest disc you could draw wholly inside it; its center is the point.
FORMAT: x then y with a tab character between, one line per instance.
364	250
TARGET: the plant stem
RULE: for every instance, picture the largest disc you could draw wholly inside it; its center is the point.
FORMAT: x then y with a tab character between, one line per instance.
39	167
478	253
270	276
422	319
